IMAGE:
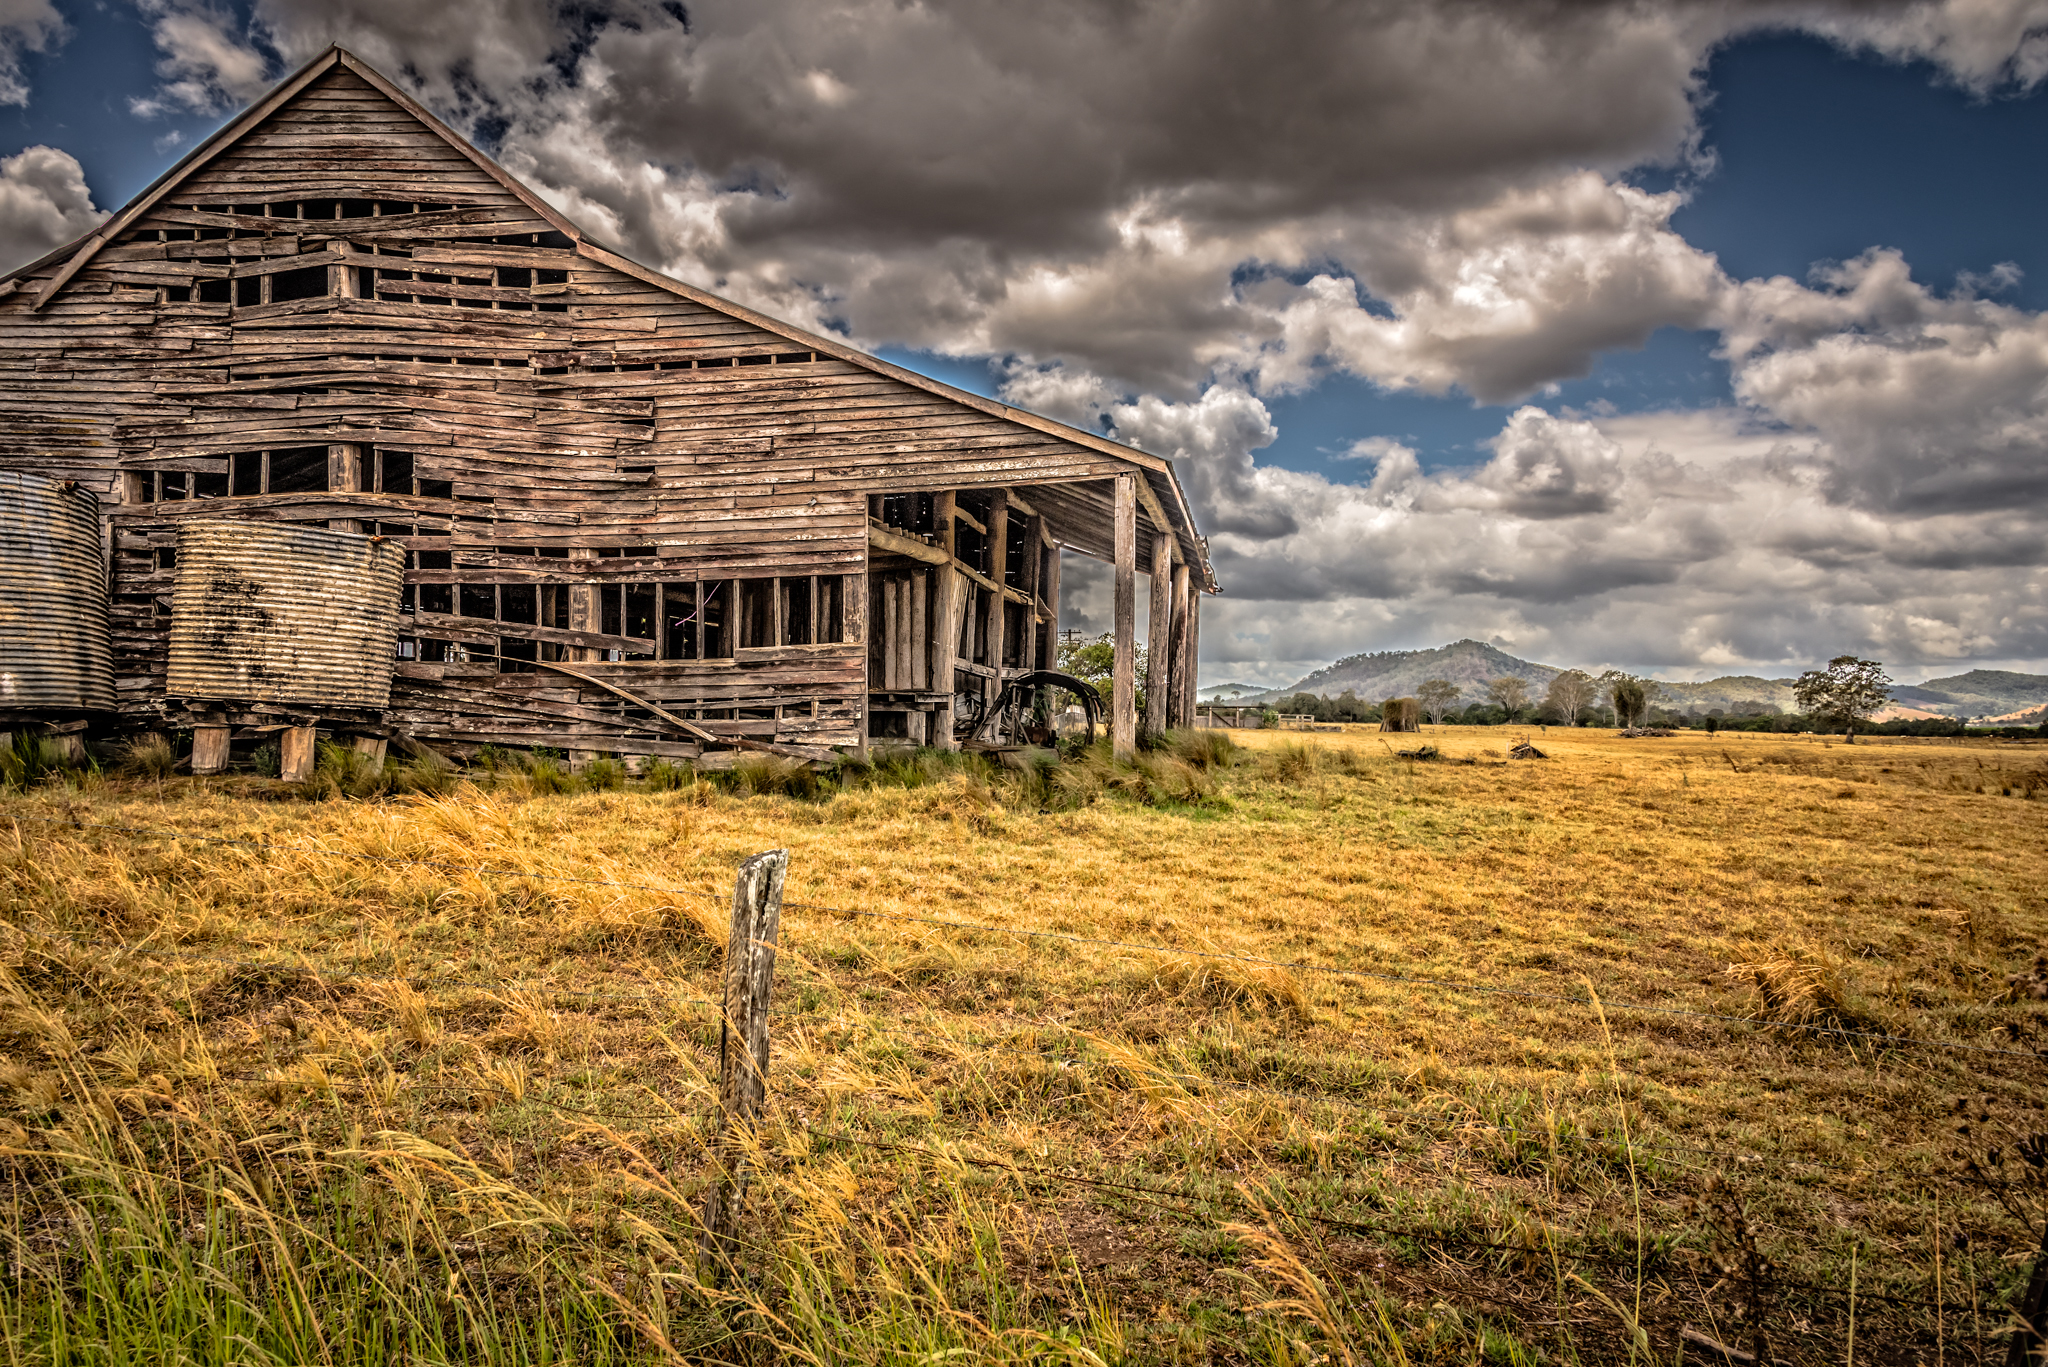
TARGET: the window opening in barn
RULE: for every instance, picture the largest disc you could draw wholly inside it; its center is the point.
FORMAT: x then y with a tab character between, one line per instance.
1017	547
309	282
970	545
795	611
392	471
298	470
757	613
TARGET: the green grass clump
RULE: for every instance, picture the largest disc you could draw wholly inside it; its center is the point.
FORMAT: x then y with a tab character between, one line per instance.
30	758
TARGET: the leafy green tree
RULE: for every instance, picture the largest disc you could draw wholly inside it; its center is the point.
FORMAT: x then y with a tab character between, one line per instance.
1093	660
1436	697
1849	691
1630	696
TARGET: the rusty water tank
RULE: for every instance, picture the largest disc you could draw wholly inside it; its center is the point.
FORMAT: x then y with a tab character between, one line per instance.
56	643
271	612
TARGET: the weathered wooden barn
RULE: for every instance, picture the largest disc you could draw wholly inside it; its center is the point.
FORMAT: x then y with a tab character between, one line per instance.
635	518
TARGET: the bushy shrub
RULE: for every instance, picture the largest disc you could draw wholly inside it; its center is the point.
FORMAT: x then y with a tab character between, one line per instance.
666	776
604	775
546	775
150	756
762	775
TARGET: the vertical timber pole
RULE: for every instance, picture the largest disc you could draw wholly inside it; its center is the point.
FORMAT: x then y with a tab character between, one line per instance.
209	749
945	620
1049	649
295	753
1191	652
998	604
1030	572
743	1044
1181	713
1123	703
1159	661
345	475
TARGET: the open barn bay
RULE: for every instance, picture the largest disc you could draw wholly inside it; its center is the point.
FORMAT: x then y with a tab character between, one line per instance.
1322	1055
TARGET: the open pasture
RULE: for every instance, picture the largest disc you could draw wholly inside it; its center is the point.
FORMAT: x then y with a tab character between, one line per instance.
328	1092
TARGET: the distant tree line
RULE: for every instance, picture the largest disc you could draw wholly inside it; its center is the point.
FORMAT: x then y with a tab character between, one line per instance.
1841	698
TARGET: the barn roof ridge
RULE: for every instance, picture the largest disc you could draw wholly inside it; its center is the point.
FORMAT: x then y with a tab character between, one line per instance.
1161	476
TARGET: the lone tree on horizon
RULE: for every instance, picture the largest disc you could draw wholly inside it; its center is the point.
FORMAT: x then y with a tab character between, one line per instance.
1436	697
1510	694
1571	693
1630	696
1848	691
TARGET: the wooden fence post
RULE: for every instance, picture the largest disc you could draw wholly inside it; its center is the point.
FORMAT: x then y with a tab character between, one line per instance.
743	1043
295	749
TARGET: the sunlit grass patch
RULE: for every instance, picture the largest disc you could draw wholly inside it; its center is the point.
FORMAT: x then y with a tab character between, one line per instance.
422	1013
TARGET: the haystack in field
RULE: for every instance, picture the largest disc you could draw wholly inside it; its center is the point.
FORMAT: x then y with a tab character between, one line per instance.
1400	714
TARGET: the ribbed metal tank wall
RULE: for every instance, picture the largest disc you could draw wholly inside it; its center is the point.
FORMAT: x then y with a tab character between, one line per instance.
269	612
56	648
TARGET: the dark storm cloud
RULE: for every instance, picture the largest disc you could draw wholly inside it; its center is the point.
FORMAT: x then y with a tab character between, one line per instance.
1159	215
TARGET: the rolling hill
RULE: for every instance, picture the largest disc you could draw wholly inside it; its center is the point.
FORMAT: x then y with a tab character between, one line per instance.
1386	674
1979	693
1398	673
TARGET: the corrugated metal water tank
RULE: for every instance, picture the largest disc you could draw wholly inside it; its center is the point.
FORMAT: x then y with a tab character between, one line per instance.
270	612
56	648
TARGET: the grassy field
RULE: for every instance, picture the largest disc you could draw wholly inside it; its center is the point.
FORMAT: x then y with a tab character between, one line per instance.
325	1092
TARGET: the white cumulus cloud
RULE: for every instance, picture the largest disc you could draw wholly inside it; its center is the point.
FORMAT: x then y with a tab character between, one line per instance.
44	203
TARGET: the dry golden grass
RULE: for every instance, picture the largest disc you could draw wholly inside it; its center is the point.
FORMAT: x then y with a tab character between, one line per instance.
553	1034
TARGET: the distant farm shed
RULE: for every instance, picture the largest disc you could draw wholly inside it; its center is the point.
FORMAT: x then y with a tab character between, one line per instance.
633	517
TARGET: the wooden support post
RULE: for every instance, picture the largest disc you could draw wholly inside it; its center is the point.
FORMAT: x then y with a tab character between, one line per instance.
345	475
1191	652
891	611
295	754
945	643
998	616
917	655
853	630
1159	636
585	615
209	749
1181	712
743	1044
1031	573
374	749
1049	657
1123	703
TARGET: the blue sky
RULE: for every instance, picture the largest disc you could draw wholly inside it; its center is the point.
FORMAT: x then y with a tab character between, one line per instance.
1489	345
1819	155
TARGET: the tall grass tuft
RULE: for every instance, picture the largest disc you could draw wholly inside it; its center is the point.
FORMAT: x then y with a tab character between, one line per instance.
604	775
150	756
180	1239
761	775
1203	749
31	759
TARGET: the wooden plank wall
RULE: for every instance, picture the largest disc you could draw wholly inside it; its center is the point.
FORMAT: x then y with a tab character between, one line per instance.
545	402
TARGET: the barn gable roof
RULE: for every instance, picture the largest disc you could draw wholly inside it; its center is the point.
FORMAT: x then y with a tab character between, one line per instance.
1160	492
